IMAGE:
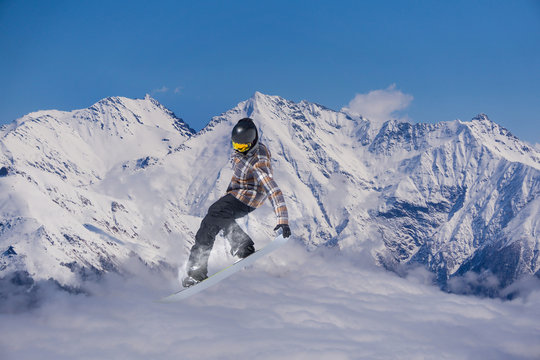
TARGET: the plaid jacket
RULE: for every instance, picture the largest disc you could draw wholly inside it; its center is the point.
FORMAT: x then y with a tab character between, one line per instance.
252	181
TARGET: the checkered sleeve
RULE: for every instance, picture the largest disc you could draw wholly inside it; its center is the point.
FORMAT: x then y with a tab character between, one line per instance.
264	177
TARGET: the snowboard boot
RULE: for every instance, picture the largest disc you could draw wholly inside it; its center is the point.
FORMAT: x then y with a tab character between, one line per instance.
244	250
195	275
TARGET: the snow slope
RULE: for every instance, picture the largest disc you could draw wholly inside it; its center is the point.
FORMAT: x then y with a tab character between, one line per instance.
56	161
87	190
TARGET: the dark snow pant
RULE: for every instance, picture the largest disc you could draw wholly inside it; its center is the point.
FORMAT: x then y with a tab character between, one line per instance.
221	216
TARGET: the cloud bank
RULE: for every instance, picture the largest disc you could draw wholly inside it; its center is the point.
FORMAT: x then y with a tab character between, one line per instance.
292	304
380	105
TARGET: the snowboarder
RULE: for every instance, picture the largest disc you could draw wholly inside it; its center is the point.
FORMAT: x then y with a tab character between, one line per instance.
252	182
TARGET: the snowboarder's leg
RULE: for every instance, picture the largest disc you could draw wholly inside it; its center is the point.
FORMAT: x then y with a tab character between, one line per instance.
197	266
241	244
221	216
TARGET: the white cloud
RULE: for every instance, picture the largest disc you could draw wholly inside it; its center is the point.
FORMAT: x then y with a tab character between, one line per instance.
380	105
163	89
292	304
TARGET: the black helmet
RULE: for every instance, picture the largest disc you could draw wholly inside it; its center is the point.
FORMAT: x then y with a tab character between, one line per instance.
244	135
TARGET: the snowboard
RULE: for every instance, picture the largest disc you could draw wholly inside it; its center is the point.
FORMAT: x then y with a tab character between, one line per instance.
225	273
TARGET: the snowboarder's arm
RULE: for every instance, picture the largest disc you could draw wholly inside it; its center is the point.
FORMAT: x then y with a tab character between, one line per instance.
265	178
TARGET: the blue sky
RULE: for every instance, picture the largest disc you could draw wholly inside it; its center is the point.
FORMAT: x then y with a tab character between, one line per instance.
452	59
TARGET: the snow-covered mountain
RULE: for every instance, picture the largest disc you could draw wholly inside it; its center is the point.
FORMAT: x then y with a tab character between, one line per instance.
83	192
57	165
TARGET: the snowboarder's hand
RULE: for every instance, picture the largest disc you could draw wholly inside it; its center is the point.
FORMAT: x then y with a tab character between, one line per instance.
286	230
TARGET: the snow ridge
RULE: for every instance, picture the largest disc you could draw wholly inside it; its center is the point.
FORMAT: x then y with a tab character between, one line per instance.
87	190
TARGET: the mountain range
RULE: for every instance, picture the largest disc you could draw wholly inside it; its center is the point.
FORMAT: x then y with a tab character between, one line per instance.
85	192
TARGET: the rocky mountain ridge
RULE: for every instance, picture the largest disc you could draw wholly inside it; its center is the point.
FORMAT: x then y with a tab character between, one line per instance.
87	190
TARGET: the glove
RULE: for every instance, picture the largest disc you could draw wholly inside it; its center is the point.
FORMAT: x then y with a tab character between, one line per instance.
286	230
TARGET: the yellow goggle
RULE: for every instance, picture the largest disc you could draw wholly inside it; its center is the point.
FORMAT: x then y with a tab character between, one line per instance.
241	147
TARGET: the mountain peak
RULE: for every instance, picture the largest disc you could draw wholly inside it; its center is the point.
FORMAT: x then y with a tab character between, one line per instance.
110	100
258	102
260	98
149	98
483	122
258	94
127	102
481	117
